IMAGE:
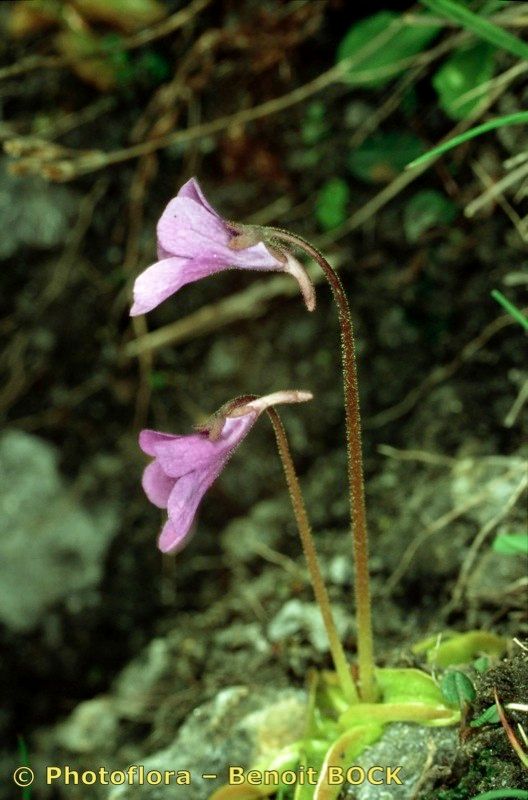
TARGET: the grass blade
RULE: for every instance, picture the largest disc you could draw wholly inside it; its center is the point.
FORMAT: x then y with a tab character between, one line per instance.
499	122
478	25
24	760
510	308
507	794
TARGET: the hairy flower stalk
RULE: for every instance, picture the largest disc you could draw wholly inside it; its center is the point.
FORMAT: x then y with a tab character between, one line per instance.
305	532
367	683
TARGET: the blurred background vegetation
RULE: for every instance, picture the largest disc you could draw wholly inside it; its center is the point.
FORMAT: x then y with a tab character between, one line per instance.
305	114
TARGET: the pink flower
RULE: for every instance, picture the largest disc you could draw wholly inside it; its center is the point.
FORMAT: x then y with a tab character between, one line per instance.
194	241
184	467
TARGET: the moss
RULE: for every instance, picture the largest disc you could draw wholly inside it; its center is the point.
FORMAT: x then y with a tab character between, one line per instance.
486	760
481	768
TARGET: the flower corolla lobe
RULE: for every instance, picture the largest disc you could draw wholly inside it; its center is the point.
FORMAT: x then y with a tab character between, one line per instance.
194	241
184	467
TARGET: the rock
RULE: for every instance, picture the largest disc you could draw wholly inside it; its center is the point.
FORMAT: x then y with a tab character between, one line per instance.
493	575
51	550
135	683
92	726
494	479
296	617
247	727
240	726
411	747
34	213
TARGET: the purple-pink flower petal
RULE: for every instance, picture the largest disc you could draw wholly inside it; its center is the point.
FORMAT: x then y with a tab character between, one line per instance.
198	452
194	242
164	278
186	496
172	539
193	452
193	191
149	439
189	230
184	467
157	485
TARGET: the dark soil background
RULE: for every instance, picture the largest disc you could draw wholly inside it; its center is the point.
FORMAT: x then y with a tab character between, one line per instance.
440	363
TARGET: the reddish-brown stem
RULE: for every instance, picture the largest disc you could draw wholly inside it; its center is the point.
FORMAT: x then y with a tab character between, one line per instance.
367	684
305	532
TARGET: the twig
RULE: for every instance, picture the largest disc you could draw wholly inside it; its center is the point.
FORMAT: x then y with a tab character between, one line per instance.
496	189
279	559
144	173
32	63
416	455
479	540
75	119
163	28
483	88
18	378
68	169
516	408
439	374
491	187
58	279
439	524
248	304
432	750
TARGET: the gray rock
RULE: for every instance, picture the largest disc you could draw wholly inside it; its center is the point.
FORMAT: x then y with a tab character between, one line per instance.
51	549
134	684
92	727
240	726
247	727
296	617
493	479
415	749
33	212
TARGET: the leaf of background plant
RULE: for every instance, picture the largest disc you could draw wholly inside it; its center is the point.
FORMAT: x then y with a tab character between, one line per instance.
76	45
27	19
154	64
511	544
405	42
479	25
463	71
342	753
331	203
519	118
457	689
126	15
488	717
314	126
426	210
408	685
481	664
460	648
383	156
